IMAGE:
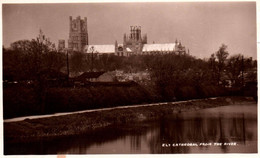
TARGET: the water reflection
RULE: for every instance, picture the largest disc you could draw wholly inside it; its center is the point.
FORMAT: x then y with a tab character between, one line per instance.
198	130
218	125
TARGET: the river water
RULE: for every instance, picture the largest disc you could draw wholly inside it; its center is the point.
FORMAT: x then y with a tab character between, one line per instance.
227	129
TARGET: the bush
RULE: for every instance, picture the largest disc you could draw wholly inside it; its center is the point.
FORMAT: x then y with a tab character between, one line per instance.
23	101
18	101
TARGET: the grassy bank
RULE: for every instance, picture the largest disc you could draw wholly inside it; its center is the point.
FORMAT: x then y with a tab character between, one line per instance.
34	129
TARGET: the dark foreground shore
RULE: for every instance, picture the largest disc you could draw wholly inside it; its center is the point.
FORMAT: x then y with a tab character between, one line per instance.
31	130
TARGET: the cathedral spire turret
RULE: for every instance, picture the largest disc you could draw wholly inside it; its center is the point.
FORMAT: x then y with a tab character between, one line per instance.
116	46
124	40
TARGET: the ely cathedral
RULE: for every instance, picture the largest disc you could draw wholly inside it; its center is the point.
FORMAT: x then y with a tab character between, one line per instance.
133	43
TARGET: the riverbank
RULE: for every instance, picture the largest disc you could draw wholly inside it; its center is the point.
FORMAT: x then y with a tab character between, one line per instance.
30	130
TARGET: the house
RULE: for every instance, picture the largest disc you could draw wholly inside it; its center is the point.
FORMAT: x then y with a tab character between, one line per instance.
89	76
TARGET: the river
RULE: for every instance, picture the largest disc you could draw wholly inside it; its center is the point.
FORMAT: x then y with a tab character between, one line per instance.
226	129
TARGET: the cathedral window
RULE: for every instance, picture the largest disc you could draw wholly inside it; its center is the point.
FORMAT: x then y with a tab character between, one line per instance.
75	45
120	49
75	38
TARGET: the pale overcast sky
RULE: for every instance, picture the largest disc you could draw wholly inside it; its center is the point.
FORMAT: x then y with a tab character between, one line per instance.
201	27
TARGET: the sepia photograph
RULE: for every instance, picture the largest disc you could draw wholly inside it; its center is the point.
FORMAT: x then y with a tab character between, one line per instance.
95	78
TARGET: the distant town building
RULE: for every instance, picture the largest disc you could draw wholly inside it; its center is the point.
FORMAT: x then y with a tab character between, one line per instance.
89	76
78	34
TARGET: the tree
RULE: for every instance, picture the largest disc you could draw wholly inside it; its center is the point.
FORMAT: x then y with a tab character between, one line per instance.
54	60
39	49
221	55
12	65
162	74
22	46
33	60
170	74
15	61
77	62
234	69
240	69
25	60
213	69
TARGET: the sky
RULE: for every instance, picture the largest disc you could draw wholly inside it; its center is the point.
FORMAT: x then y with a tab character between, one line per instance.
202	27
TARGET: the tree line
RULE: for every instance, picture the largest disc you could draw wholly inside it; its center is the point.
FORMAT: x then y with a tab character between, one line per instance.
29	59
170	73
172	77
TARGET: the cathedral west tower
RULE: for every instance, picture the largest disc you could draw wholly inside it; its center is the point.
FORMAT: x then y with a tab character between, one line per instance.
78	34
